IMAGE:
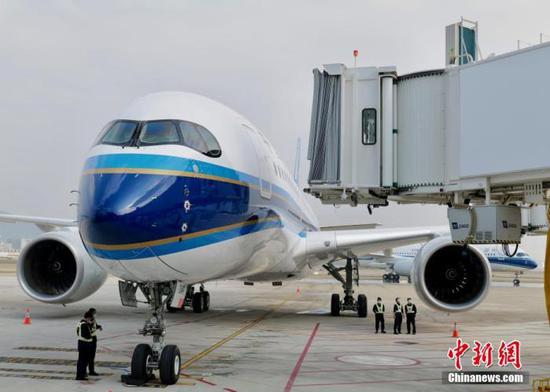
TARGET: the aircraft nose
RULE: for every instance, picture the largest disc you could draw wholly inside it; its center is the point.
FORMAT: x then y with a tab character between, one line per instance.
118	210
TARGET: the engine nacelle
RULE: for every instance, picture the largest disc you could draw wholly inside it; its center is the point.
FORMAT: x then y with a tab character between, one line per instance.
55	268
451	277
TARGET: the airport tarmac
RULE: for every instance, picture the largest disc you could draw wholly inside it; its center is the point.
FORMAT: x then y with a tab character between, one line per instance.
264	338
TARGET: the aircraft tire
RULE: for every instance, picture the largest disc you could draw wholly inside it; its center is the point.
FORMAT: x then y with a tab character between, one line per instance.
362	305
205	301
141	356
197	303
169	365
335	305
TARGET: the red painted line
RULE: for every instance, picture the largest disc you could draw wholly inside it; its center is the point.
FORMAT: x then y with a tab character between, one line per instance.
200	379
229	390
296	369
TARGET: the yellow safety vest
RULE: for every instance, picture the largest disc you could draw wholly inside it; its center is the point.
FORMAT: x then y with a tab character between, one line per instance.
399	308
410	309
380	308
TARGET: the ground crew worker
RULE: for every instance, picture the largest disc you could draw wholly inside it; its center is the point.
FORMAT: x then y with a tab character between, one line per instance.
84	345
378	310
93	330
410	311
397	316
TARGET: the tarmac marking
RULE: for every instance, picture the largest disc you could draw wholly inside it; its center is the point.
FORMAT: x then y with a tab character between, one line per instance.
59	349
36	376
48	371
296	369
253	323
63	362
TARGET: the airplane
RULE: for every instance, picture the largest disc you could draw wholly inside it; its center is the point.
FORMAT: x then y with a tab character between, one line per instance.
401	262
180	190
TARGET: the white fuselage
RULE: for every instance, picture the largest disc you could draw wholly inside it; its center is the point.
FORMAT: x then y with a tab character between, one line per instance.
170	212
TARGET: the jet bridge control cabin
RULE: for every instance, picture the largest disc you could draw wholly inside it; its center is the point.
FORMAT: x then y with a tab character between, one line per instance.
475	136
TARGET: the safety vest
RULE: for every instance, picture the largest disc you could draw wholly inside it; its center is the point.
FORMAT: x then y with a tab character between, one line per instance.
79	332
410	308
380	308
399	308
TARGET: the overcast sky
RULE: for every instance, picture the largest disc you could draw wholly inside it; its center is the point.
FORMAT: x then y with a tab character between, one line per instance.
69	67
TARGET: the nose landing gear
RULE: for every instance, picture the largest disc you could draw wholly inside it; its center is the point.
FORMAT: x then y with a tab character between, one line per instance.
148	358
349	303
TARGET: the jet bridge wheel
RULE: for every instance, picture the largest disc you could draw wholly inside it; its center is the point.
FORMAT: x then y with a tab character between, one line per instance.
197	302
362	305
335	305
141	357
169	365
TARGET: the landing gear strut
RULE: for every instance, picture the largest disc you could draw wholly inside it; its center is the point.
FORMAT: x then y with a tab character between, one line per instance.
516	280
349	303
158	356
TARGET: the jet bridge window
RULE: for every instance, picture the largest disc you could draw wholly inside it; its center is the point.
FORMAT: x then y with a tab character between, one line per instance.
200	139
368	129
159	132
119	133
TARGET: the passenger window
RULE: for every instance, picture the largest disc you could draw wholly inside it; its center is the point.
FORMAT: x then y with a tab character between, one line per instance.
368	134
159	132
119	133
200	139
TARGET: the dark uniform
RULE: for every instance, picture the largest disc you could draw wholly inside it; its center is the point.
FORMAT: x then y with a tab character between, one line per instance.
85	342
378	311
398	318
410	311
93	348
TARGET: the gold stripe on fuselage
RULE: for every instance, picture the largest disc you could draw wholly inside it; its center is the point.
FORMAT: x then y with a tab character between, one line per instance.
164	241
162	172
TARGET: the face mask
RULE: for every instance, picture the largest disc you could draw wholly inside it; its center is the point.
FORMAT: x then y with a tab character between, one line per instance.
379	302
409	302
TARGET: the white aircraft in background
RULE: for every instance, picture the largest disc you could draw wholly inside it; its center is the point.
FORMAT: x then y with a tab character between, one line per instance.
180	190
401	262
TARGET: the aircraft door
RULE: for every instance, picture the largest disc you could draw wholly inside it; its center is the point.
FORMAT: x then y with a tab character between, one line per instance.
264	161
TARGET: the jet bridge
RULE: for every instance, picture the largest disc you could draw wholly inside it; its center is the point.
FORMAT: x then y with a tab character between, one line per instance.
474	136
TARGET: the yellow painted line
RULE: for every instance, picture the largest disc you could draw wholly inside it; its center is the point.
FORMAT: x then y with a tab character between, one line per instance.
253	323
161	172
164	241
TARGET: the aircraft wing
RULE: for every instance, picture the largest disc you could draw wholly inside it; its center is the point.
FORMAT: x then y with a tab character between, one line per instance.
44	224
325	246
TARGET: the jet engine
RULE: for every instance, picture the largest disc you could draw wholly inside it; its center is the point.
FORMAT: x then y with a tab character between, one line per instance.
451	277
55	268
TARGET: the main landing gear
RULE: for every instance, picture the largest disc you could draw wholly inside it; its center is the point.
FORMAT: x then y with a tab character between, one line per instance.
198	301
349	303
158	356
392	277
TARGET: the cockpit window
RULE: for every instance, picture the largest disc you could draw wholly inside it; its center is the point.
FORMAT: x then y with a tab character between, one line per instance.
119	133
200	139
128	133
159	132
